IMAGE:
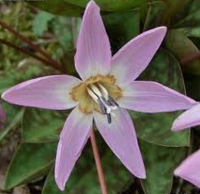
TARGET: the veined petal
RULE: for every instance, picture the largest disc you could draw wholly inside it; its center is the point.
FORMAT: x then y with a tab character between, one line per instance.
73	138
51	92
189	118
121	138
190	169
133	58
146	96
93	54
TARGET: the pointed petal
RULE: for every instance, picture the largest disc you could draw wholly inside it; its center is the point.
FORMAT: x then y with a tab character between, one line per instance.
121	138
73	138
189	118
146	96
190	169
133	58
93	48
51	92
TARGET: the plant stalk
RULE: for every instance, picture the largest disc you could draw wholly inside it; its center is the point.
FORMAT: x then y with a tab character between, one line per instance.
98	163
52	62
25	51
189	58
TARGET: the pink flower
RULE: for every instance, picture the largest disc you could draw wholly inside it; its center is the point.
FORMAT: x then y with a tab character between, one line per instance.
106	90
190	169
189	118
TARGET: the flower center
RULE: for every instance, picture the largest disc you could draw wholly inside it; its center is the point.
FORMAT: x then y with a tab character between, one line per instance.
106	103
98	93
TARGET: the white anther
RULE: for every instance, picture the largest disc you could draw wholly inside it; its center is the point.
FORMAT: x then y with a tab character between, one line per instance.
104	91
96	90
93	95
108	109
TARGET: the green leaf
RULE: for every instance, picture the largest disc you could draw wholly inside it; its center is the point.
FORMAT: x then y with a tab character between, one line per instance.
121	32
75	8
13	119
112	5
84	178
58	7
41	125
155	128
10	78
40	22
190	24
193	86
173	9
65	30
190	31
151	14
119	5
160	163
14	114
181	46
192	6
190	10
30	161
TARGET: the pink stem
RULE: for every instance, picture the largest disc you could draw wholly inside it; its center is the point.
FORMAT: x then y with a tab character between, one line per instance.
52	62
98	163
190	57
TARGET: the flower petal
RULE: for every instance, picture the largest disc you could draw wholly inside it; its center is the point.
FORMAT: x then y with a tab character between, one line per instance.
190	169
146	96
51	92
133	58
121	138
93	48
73	138
189	118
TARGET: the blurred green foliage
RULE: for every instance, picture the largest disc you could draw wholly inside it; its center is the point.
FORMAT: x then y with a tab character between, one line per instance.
56	32
30	161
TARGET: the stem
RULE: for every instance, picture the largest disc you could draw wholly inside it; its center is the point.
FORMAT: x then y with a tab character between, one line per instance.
46	62
98	163
191	57
178	190
52	62
147	16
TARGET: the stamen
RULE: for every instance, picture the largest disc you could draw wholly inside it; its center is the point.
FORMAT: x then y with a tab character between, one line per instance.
113	106
95	90
104	91
93	95
113	101
106	103
102	107
109	118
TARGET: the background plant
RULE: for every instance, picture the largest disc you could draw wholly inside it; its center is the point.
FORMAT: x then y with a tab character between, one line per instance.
33	134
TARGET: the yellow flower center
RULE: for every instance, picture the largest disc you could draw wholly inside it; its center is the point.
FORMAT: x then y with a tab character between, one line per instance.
96	93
